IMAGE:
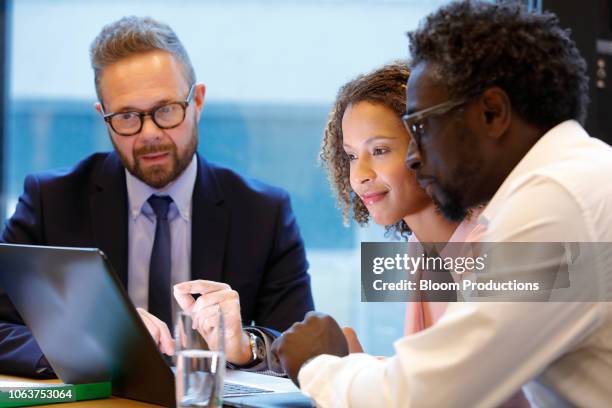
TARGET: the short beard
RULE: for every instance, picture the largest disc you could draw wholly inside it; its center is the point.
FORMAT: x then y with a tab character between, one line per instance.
451	208
452	197
158	176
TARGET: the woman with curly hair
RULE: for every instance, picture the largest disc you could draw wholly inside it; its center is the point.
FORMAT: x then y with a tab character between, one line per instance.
364	149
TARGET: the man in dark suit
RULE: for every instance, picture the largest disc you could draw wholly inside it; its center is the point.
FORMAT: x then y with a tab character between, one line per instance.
161	213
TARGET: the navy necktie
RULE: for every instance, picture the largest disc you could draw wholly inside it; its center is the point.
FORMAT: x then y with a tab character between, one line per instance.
160	304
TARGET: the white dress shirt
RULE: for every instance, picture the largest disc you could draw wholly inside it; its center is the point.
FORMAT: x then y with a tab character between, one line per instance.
141	231
479	354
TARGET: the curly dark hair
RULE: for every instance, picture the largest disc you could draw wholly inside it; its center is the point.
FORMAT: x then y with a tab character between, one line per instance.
474	45
387	86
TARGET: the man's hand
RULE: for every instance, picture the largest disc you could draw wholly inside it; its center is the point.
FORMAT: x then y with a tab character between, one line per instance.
317	334
215	297
159	331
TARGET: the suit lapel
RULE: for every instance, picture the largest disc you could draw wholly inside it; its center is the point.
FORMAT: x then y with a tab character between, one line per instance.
109	208
209	226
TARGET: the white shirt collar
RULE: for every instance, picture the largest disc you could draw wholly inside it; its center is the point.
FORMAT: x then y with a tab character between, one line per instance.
550	147
180	190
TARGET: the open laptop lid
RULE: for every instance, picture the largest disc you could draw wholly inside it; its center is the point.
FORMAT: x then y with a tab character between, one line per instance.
83	320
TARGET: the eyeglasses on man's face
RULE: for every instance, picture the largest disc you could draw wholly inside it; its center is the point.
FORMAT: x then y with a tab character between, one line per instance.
415	122
166	116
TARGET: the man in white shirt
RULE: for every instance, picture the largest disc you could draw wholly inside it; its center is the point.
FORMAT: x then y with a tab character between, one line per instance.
495	102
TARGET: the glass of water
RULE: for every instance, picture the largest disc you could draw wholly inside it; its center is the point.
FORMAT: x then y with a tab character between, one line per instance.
199	378
199	370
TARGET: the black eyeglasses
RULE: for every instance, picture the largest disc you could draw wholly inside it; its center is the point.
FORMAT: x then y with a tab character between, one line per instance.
415	122
166	116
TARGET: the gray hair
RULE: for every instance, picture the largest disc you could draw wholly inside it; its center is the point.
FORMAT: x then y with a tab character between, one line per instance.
136	35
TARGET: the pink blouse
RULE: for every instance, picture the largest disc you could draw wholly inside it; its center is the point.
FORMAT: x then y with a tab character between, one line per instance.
421	315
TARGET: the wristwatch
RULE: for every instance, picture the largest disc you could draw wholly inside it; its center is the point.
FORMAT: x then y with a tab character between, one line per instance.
258	349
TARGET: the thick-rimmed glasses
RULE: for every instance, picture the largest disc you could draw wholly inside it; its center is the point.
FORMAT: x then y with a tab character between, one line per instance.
415	122
166	116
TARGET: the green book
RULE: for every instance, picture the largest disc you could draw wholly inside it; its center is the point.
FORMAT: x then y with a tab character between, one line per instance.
22	394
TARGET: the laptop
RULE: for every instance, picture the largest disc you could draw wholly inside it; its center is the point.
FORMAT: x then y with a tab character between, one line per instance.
89	330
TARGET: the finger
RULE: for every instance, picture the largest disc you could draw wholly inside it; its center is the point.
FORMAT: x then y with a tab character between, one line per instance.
230	308
353	341
211	314
144	316
276	364
151	327
212	339
232	328
282	357
206	319
184	299
202	324
215	298
200	286
183	292
208	311
166	343
209	321
164	338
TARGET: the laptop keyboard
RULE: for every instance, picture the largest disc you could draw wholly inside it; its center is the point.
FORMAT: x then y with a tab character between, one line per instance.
233	390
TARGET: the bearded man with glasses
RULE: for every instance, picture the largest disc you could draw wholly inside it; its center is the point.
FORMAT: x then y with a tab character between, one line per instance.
172	225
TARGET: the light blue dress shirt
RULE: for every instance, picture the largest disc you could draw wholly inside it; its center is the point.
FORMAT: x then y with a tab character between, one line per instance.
141	231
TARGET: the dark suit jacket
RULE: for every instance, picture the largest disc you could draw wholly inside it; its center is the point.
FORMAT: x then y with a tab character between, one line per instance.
243	233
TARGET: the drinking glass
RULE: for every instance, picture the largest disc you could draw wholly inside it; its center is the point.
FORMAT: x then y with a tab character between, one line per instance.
199	370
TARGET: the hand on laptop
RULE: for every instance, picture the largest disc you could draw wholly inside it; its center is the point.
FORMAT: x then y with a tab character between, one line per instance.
159	331
215	297
317	334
